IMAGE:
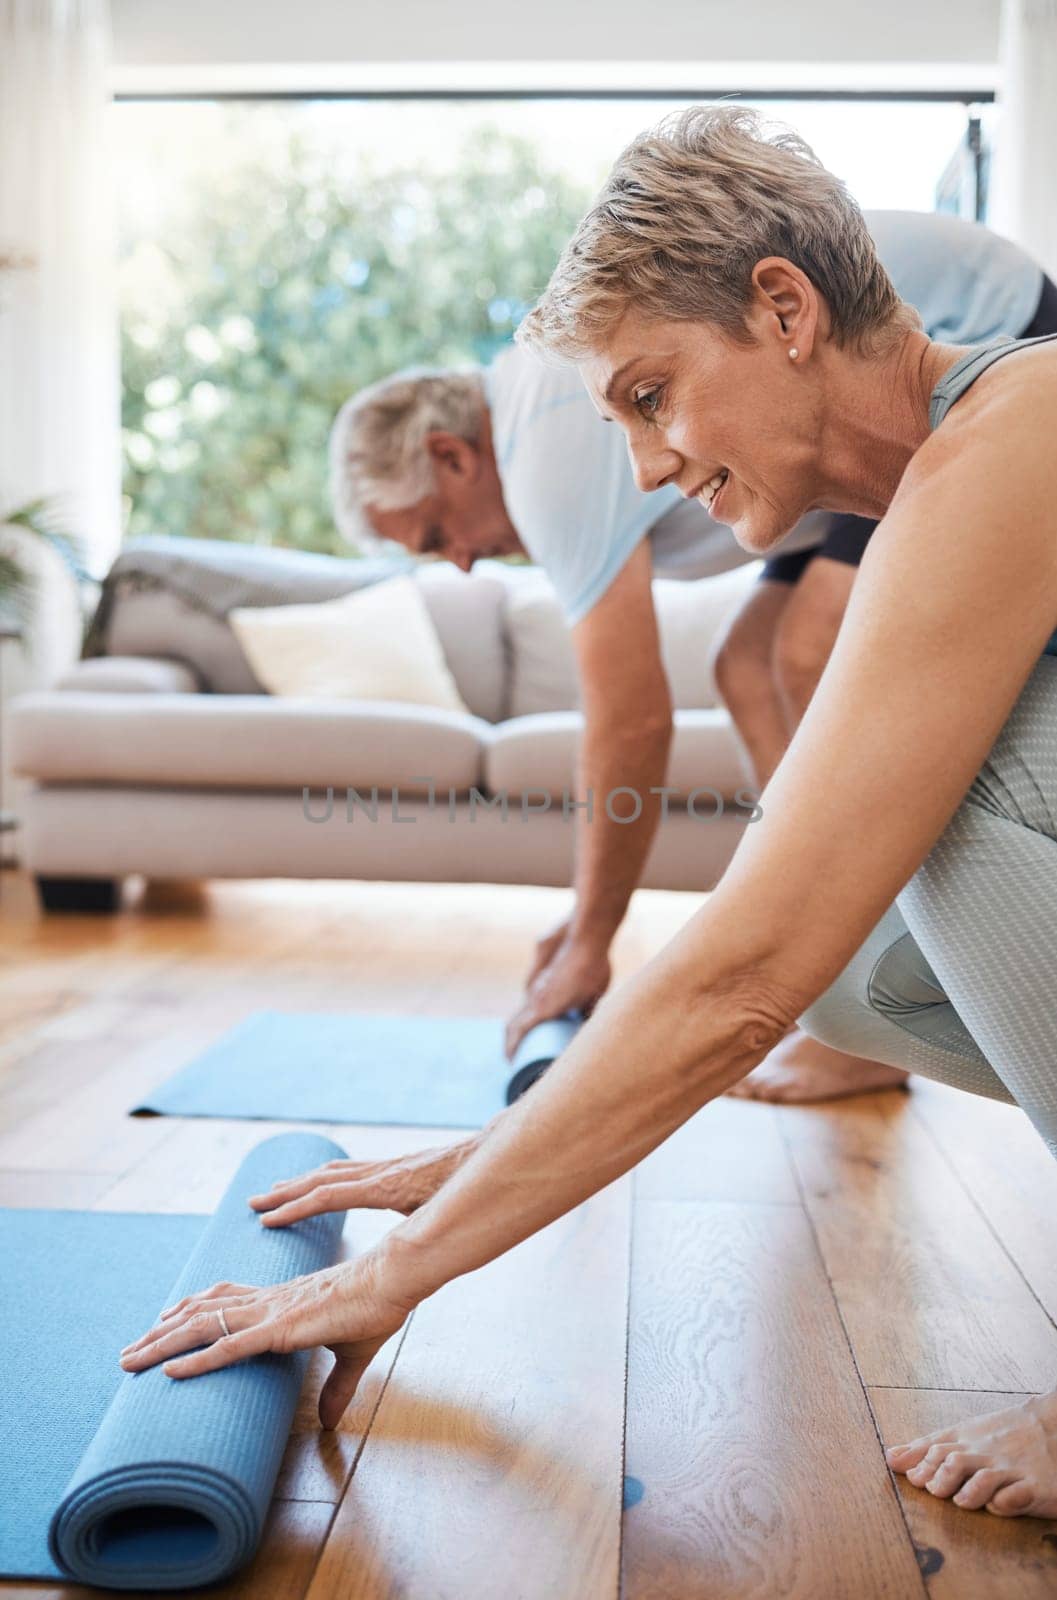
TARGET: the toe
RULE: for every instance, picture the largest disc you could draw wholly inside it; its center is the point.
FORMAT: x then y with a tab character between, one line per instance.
930	1463
953	1472
1013	1501
902	1457
980	1487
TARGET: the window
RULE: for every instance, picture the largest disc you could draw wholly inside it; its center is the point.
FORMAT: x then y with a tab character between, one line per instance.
278	255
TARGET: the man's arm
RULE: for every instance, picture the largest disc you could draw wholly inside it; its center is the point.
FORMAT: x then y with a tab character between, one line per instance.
626	738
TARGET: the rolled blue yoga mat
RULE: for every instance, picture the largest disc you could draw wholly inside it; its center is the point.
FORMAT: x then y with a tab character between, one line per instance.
338	1066
141	1481
541	1046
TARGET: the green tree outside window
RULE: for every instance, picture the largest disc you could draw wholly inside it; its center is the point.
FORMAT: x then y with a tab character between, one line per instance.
274	292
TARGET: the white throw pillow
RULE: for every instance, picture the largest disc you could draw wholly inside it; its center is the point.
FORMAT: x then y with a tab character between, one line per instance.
377	643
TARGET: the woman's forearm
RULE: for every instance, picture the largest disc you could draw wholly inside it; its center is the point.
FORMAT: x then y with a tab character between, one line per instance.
658	1048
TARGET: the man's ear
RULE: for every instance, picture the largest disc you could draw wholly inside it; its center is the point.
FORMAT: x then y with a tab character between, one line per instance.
787	301
453	454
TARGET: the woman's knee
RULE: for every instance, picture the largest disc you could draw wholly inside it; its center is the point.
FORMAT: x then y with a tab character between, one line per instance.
836	1017
877	1002
888	1005
844	1015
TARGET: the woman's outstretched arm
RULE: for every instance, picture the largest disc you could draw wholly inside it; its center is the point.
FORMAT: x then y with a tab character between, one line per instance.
955	599
954	602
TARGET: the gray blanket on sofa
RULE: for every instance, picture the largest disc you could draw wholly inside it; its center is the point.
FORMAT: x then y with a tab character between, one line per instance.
212	576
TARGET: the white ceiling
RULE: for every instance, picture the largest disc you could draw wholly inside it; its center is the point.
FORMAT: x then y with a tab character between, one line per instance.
159	33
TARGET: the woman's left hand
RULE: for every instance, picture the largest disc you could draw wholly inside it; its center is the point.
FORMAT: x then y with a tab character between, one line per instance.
343	1307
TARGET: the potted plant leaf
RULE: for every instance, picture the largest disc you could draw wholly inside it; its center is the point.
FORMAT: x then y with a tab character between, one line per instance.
41	520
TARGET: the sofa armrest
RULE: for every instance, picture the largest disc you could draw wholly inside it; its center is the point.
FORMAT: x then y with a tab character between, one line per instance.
129	675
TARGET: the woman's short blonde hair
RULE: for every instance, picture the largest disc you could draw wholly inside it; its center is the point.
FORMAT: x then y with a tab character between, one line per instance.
685	214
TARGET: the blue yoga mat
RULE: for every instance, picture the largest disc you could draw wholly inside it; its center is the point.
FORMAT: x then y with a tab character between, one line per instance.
140	1481
336	1066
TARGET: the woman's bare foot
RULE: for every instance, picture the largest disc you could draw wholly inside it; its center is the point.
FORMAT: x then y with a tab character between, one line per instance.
1006	1461
800	1069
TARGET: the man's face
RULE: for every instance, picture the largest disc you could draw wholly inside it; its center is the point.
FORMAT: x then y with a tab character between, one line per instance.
464	520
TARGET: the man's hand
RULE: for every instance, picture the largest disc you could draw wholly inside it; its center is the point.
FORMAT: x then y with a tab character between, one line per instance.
568	974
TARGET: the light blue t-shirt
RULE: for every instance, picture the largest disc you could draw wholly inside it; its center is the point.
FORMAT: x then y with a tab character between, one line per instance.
566	477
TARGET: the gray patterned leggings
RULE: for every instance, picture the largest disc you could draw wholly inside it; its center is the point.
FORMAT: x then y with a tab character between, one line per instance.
958	981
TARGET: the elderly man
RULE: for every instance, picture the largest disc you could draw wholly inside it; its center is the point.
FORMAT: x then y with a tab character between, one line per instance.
514	458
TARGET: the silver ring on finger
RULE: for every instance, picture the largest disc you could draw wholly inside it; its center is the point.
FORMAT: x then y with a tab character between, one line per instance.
222	1319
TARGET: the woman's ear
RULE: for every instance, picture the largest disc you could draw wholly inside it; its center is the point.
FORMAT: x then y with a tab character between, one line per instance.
786	301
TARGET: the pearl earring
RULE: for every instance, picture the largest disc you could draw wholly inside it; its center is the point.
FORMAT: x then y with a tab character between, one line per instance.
794	352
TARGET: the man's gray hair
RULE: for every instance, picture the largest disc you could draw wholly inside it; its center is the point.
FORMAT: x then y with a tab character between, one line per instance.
378	455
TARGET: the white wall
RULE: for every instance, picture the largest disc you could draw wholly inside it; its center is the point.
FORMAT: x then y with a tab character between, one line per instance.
186	32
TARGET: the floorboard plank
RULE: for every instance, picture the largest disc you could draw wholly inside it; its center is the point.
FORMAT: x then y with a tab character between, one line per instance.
731	1150
753	1464
1008	1171
52	1191
929	1297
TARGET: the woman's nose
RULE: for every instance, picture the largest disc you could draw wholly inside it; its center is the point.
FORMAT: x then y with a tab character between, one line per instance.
652	468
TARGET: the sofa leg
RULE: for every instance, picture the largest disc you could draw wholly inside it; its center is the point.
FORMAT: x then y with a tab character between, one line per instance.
79	894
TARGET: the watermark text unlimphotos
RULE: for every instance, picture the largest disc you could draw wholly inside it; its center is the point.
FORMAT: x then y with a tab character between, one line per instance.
622	805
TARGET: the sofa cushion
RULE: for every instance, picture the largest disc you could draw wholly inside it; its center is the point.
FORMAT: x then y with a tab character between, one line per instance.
241	741
171	597
539	753
129	675
468	610
689	615
376	644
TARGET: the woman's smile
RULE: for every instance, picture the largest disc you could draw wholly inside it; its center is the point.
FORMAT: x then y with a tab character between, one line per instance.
717	496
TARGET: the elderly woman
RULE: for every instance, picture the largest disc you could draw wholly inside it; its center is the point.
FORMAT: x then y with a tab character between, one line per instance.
899	894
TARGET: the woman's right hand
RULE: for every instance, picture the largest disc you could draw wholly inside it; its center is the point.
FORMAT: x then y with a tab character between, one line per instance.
401	1183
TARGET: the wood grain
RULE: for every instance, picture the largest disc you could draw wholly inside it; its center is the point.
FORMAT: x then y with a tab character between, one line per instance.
731	1150
1008	1171
749	1437
929	1297
966	1555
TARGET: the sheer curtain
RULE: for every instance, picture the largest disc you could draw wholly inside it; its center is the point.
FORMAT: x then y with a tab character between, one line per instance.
59	380
1024	197
59	360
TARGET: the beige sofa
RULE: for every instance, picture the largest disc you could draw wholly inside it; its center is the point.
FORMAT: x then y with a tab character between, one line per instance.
160	755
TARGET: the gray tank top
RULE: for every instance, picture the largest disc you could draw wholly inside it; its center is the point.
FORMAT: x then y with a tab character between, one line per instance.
965	372
963	375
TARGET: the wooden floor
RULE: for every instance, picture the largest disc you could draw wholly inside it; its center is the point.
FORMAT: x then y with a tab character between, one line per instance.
732	1332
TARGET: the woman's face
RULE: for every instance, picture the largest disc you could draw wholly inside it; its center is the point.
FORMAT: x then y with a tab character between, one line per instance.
695	404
